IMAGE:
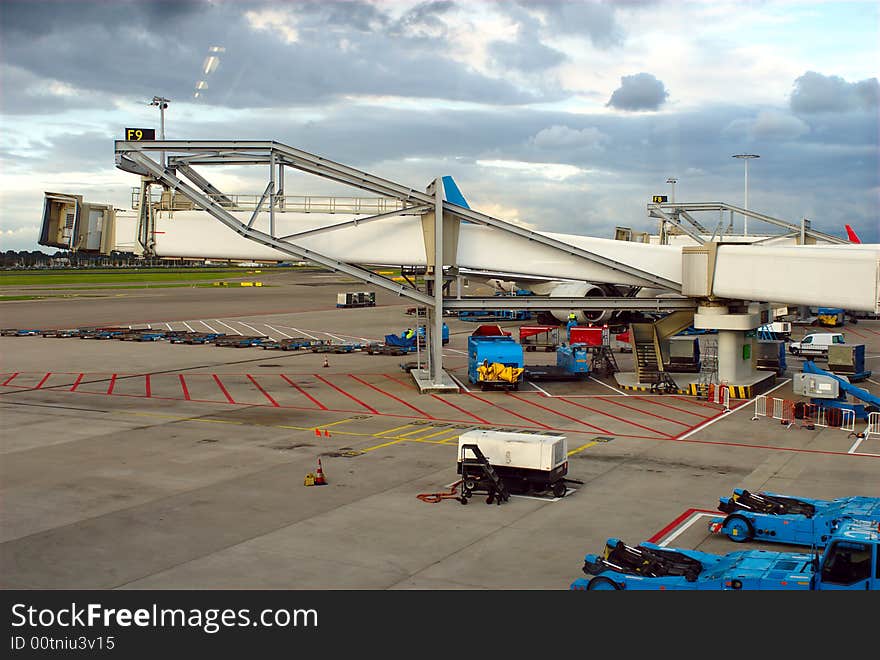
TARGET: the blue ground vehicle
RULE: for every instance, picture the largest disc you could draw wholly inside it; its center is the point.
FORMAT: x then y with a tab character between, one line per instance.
574	358
765	516
849	562
484	349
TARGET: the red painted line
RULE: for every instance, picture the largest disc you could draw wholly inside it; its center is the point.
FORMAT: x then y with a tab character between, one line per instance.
397	380
184	387
556	412
223	389
855	332
76	383
388	394
871	331
11	378
265	393
304	393
678	521
507	410
148	391
45	378
619	419
112	384
353	398
643	412
470	414
694	401
666	405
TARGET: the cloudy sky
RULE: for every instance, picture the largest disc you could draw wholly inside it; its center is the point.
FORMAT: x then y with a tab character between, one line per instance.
567	116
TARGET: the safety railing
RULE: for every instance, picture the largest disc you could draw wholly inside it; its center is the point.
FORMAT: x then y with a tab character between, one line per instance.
809	415
290	203
873	427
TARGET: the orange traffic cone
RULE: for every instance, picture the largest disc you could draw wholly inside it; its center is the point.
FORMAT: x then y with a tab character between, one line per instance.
317	433
326	362
319	475
326	433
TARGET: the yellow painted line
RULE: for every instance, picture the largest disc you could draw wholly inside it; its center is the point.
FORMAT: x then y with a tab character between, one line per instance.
582	447
396	428
384	444
419	430
441	432
341	421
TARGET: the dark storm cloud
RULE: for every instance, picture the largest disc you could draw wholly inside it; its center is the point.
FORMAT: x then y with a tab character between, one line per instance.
816	93
136	50
641	91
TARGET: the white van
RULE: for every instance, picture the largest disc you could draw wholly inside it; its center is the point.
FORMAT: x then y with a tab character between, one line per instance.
816	343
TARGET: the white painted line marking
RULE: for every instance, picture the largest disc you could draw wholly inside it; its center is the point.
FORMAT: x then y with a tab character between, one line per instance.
277	330
690	521
188	326
228	326
871	380
210	329
459	383
609	386
302	332
725	414
168	325
541	389
455	350
339	339
252	328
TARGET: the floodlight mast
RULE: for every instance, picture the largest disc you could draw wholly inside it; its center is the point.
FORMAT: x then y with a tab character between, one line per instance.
746	158
161	102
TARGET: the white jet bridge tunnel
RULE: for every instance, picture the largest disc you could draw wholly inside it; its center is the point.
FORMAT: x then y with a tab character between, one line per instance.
425	229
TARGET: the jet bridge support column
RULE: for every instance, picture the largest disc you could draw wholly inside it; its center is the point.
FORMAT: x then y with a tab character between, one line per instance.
434	378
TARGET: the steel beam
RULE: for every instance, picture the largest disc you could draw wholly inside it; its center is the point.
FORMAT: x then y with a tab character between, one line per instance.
592	303
221	214
336	171
409	210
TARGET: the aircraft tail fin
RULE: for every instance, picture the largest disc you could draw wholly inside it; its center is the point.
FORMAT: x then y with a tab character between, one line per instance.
851	234
453	194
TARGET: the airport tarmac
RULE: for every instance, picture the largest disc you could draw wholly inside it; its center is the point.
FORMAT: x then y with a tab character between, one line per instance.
148	465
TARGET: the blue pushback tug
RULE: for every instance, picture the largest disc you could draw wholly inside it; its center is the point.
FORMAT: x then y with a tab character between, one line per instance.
773	517
848	563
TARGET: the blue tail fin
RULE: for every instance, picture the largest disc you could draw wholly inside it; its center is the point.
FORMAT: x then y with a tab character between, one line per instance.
453	194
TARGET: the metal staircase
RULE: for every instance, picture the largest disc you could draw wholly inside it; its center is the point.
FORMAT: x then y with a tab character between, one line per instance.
477	473
603	361
708	368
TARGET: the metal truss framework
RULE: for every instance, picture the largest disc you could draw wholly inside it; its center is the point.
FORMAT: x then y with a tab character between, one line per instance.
673	213
132	157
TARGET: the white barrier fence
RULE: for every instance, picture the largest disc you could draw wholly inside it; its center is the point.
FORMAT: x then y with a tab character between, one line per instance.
811	414
873	428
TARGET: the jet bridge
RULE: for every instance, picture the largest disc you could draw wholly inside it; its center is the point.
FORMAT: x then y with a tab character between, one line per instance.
403	226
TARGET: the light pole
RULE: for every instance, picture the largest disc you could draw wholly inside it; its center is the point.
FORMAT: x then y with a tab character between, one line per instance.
746	158
673	182
162	103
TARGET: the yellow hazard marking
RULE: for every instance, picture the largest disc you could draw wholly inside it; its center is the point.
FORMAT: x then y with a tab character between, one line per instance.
384	444
431	435
582	447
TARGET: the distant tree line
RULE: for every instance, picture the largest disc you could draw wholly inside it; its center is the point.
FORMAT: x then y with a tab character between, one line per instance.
68	259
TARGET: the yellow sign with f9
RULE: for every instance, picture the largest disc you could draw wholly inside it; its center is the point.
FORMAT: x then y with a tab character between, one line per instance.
140	134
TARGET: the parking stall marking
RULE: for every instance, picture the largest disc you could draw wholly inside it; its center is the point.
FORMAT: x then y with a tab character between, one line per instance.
643	412
303	392
223	389
76	383
469	414
508	411
561	414
264	392
620	419
666	405
11	378
678	526
341	391
388	394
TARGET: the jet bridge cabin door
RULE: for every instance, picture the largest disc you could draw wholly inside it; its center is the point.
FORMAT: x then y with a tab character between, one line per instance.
851	566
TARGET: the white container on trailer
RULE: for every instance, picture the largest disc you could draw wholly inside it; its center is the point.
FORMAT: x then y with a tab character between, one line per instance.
523	461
